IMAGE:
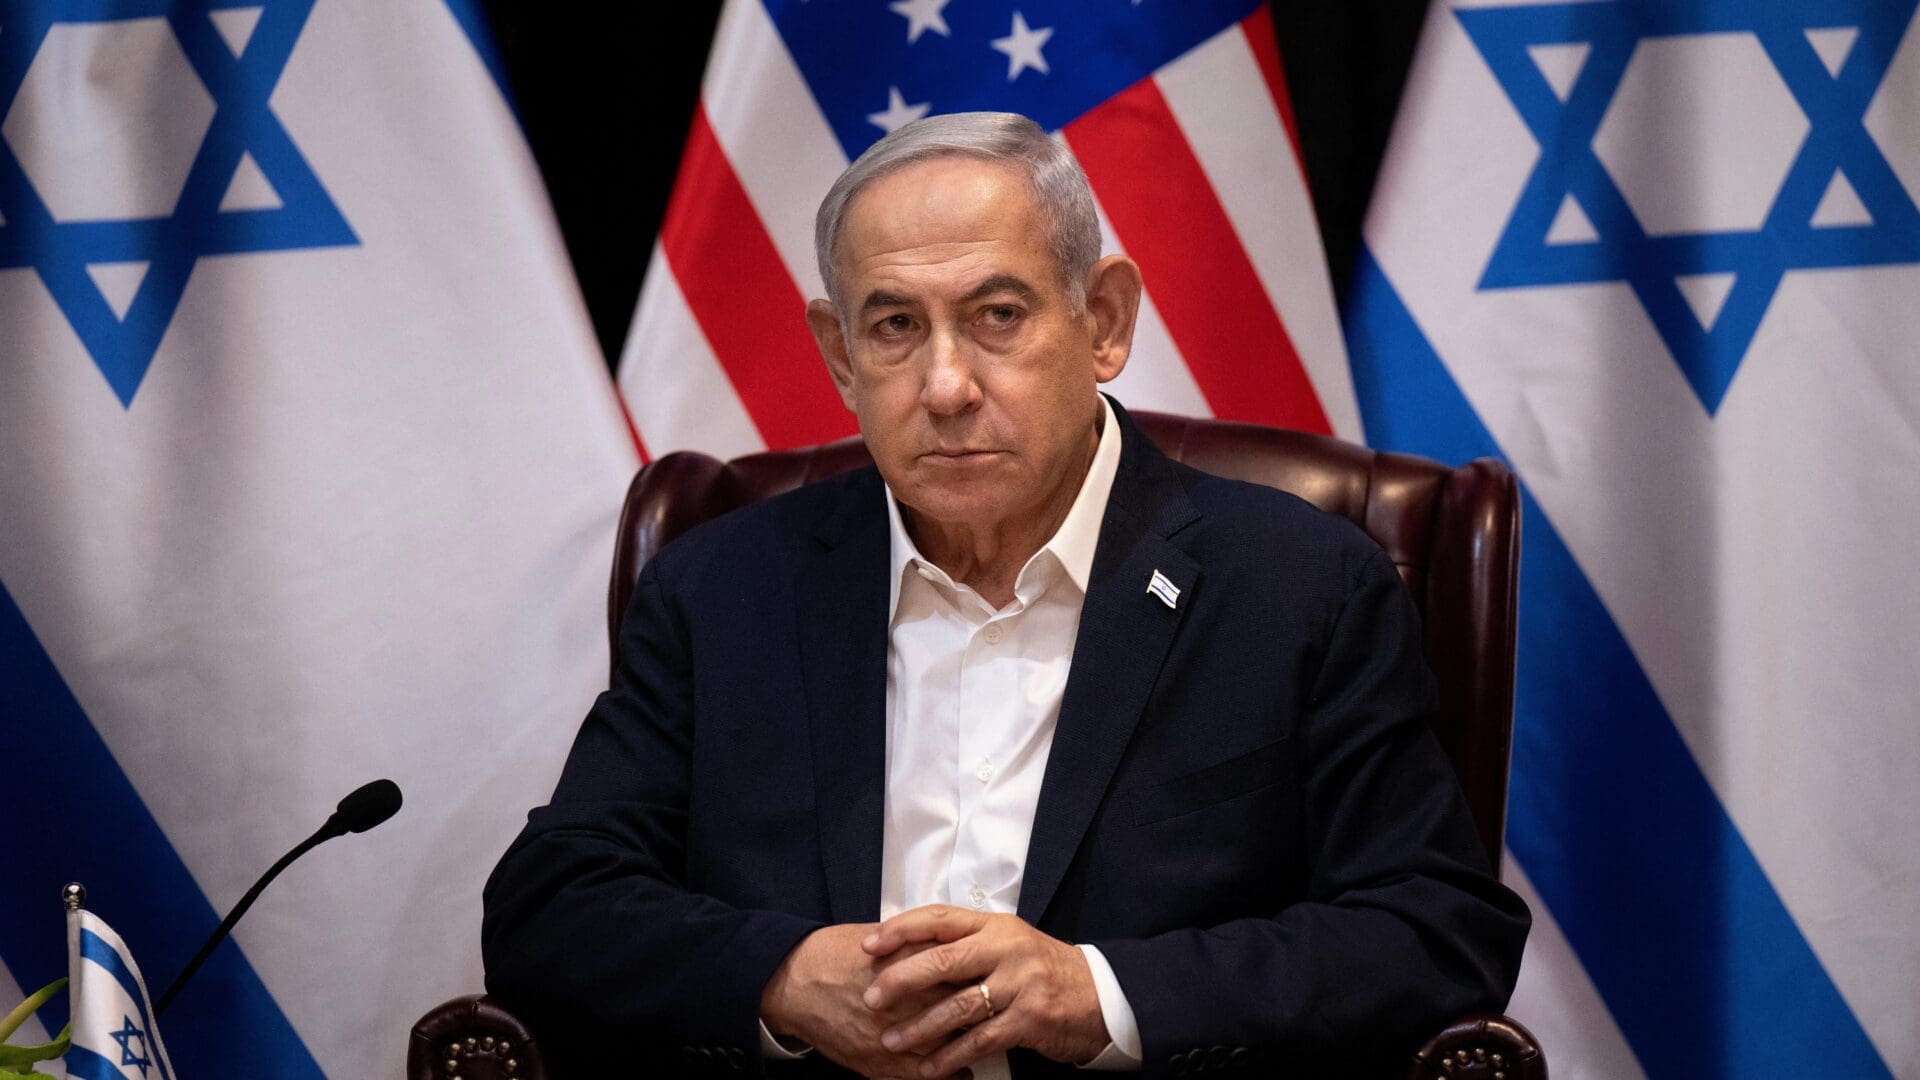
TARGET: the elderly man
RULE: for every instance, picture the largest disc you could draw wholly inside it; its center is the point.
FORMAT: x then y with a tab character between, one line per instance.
1029	749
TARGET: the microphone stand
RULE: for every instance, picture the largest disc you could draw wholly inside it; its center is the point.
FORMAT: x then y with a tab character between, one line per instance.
326	832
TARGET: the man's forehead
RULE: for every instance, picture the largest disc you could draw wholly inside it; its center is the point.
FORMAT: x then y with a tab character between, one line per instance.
950	222
943	200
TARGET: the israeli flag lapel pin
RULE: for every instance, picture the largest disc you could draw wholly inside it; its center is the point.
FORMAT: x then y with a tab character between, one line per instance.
1167	591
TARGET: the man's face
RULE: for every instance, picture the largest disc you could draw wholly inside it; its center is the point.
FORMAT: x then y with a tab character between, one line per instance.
972	376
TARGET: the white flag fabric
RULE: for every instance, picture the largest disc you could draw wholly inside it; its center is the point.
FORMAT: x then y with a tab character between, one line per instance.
309	471
1178	113
1662	255
114	1034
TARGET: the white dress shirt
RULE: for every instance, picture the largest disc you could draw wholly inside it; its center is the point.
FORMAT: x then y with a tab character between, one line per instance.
973	693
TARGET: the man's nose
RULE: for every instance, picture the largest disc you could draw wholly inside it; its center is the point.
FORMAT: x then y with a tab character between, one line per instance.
951	388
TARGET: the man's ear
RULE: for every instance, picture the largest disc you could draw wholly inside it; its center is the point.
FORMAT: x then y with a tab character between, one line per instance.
1113	302
825	324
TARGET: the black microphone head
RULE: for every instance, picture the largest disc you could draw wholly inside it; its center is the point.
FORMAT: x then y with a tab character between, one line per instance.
367	806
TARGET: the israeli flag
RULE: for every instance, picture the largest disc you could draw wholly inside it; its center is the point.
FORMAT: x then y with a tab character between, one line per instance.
1662	256
309	473
114	1035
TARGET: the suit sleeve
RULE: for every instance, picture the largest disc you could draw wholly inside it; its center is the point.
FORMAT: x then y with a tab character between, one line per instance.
1403	926
589	922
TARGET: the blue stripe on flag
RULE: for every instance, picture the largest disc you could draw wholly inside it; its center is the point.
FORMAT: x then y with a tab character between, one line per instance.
473	23
84	1064
96	830
1675	921
107	957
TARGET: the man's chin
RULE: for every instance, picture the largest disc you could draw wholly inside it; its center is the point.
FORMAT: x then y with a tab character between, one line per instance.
966	500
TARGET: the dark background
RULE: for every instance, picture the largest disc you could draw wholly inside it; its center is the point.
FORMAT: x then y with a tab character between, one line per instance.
605	96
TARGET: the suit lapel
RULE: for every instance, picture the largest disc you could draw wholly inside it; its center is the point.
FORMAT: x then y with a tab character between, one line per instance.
842	619
1125	632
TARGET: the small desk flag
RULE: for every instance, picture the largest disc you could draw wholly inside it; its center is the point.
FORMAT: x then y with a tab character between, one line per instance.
114	1037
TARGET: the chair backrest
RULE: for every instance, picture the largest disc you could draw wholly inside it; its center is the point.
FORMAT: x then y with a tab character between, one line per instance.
1454	534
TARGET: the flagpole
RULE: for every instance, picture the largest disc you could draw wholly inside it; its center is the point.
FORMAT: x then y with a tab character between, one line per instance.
74	895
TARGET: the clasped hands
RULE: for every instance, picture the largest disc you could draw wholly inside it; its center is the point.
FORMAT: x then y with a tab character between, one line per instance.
901	999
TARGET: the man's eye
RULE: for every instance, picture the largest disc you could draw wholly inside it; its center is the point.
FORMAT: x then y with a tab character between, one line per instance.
1003	314
895	324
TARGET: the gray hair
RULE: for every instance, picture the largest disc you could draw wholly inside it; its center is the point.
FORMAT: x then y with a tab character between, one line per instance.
1058	186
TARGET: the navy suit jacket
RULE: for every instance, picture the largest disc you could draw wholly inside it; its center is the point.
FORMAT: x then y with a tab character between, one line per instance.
1244	807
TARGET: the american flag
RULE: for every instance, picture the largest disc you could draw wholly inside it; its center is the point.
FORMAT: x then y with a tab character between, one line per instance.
1177	111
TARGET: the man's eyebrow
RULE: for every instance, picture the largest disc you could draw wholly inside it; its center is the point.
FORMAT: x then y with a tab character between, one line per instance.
1002	283
998	283
878	299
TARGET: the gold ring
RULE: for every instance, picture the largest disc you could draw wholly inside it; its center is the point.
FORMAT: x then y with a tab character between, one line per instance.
986	995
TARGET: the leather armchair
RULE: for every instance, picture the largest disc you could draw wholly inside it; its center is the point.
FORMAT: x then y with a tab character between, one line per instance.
1454	534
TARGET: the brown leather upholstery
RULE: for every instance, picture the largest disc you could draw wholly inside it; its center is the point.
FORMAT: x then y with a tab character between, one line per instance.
1453	533
1480	1047
473	1038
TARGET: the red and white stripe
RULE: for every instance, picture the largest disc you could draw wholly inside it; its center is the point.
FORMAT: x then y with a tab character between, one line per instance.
1197	174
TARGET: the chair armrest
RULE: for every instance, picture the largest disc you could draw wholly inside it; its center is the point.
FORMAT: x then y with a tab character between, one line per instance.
1483	1046
477	1038
473	1038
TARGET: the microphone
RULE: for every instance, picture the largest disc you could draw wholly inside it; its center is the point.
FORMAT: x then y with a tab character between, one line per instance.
366	806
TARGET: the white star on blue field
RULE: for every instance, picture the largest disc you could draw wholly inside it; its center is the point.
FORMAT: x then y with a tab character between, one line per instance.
1830	56
873	66
60	251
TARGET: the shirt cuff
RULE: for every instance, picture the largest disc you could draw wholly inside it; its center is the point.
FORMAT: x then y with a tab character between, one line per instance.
773	1049
1123	1054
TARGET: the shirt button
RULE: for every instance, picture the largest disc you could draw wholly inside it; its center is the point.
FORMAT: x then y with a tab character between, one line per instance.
994	633
985	771
978	896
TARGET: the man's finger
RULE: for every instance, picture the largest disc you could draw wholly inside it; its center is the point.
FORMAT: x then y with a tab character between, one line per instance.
932	922
995	1036
955	962
964	1008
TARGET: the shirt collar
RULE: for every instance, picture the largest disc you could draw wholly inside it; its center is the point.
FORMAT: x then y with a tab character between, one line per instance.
1072	544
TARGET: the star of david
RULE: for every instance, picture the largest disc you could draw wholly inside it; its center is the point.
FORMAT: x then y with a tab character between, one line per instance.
127	1036
1830	56
238	70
